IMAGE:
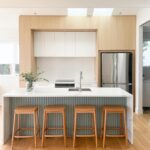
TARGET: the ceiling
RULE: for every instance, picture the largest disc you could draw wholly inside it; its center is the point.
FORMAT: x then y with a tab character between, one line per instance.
10	10
59	11
73	3
9	17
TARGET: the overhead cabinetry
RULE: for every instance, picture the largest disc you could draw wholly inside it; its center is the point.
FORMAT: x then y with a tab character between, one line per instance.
117	34
64	44
112	33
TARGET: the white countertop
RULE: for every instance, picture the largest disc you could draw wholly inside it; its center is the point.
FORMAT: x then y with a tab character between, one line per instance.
63	92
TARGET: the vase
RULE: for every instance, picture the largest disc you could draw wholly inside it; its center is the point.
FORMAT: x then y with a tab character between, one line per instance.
29	86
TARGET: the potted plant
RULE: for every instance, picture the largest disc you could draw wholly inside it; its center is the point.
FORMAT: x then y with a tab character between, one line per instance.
30	78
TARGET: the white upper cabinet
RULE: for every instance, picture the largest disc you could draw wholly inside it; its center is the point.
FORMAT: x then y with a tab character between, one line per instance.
85	44
64	44
44	43
69	44
59	42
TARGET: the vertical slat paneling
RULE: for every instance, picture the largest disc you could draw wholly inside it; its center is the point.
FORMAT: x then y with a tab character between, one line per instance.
69	103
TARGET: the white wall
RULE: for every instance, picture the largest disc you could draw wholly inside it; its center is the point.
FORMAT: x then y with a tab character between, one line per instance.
67	68
8	82
143	16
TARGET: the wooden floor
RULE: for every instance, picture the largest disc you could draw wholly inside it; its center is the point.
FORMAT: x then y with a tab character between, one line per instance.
141	140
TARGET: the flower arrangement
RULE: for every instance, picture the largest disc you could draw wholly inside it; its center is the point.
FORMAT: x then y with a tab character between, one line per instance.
31	77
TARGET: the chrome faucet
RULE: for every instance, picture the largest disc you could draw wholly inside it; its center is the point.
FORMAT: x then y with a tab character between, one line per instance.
81	77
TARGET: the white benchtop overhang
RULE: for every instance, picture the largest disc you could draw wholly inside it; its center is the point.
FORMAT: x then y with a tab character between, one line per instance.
63	92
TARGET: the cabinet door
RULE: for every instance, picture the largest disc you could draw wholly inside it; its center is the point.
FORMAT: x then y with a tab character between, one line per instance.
38	44
65	44
85	44
69	44
58	50
117	33
43	44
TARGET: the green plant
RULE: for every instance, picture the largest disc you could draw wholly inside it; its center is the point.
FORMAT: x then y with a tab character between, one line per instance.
32	76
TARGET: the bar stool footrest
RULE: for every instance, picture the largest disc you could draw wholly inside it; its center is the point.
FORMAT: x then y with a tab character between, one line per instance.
85	128
108	135
23	137
113	128
88	135
20	129
54	129
25	129
54	135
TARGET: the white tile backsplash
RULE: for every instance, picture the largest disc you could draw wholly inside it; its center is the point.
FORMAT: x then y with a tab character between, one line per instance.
68	68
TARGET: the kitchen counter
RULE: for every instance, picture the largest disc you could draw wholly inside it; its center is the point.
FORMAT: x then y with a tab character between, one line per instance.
63	92
54	96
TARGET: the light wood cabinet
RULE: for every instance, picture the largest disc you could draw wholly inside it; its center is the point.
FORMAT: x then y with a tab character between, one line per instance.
117	33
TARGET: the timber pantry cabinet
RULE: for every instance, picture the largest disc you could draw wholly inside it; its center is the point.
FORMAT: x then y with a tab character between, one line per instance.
65	44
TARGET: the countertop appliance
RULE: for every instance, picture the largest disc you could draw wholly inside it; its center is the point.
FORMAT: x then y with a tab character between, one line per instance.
65	83
116	70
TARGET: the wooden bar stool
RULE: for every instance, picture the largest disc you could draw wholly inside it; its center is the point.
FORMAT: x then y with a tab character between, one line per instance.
85	109
118	110
52	109
25	110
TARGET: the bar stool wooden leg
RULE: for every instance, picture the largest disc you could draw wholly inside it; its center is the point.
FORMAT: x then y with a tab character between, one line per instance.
125	128
64	127
34	115
43	130
13	133
104	132
75	126
102	124
46	122
95	127
121	123
38	124
18	124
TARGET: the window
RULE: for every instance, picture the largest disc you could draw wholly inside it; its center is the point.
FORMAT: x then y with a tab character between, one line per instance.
5	69
146	54
9	57
77	11
16	68
103	11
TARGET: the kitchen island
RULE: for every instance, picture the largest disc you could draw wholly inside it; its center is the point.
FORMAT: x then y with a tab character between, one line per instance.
61	96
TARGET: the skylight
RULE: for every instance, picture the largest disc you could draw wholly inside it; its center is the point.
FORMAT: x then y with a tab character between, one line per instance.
102	11
77	11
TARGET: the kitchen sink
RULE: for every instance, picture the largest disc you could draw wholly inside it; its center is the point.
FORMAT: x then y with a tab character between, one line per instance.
77	89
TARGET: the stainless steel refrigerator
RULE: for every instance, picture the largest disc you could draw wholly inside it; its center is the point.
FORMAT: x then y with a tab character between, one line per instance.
116	70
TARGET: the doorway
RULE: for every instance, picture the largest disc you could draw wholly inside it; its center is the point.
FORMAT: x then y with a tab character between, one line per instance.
146	67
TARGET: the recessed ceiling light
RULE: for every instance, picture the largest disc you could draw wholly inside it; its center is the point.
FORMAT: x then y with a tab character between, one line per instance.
77	11
102	11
